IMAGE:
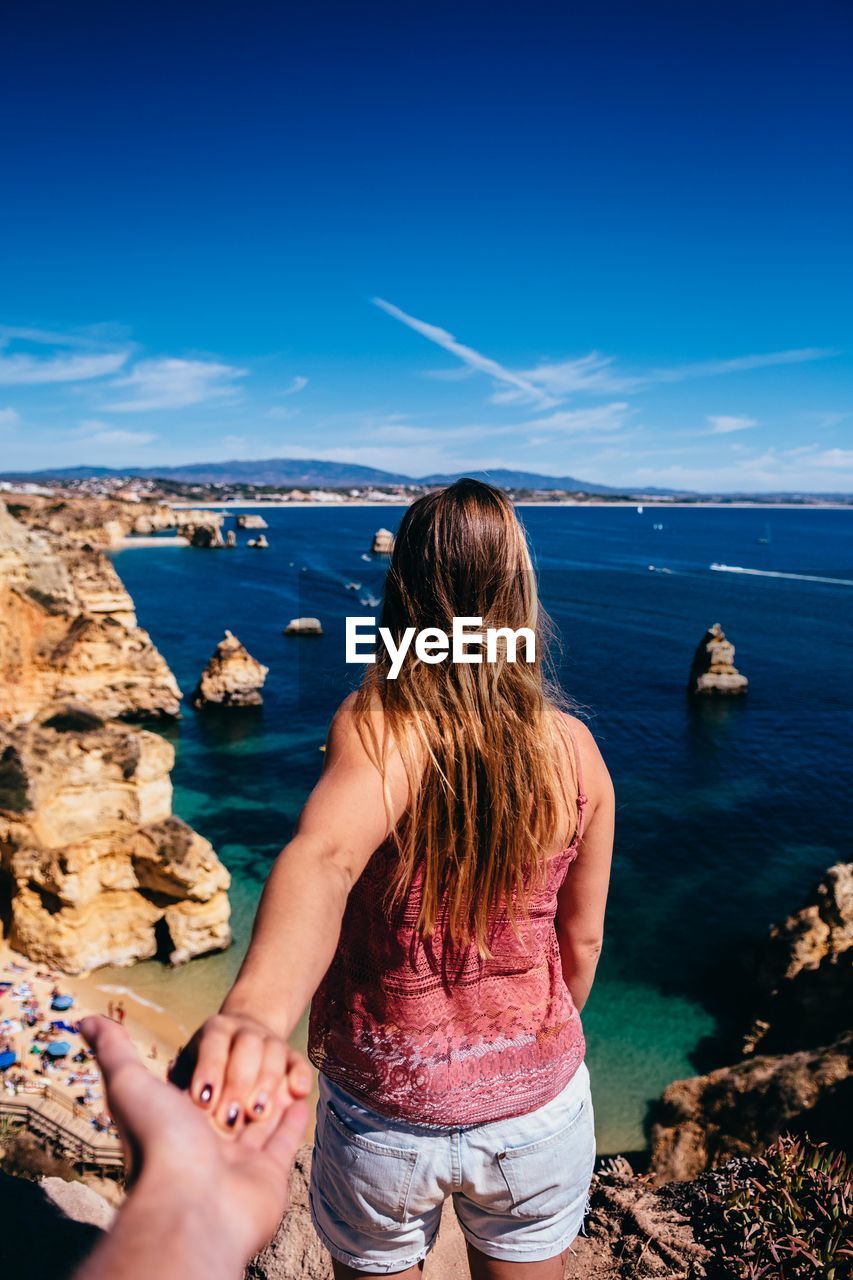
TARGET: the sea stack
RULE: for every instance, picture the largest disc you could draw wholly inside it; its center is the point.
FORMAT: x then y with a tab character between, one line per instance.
713	670
201	528
383	542
232	677
304	627
251	522
260	543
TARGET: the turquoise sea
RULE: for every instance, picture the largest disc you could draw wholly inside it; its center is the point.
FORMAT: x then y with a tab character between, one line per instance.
727	812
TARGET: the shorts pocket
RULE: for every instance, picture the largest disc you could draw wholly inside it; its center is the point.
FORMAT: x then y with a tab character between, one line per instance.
546	1177
366	1182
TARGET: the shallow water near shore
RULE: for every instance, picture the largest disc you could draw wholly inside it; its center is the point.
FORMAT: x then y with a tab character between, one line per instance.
727	812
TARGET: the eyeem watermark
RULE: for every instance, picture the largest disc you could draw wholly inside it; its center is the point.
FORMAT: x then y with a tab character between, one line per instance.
467	643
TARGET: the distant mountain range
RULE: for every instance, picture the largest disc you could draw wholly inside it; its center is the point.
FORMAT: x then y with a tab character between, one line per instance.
300	473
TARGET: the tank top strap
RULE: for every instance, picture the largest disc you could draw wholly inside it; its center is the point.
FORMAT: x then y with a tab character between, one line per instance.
582	796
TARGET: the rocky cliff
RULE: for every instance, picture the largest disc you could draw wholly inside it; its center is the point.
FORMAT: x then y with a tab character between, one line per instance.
804	972
801	1081
68	629
96	870
103	523
100	870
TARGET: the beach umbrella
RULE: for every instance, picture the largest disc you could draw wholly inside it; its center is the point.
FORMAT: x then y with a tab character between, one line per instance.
61	1002
59	1048
7	1059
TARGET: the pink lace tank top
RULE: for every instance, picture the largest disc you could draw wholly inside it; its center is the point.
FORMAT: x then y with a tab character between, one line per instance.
428	1042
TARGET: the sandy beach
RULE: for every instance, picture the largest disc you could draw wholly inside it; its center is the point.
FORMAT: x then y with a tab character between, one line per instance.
27	991
157	1031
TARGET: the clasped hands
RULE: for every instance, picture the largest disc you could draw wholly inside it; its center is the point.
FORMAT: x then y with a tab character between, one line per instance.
216	1145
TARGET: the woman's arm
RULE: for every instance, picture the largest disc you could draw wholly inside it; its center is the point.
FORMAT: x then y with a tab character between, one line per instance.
583	896
241	1053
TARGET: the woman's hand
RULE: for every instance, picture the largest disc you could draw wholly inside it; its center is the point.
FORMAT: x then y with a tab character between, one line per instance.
241	1072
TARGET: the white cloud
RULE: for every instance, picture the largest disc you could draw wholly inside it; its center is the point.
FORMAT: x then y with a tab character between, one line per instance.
724	423
550	383
522	387
169	383
298	384
9	417
741	364
26	370
234	442
574	421
598	373
94	431
592	372
802	469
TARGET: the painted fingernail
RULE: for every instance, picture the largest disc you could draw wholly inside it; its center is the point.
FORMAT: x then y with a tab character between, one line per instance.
232	1116
261	1105
206	1094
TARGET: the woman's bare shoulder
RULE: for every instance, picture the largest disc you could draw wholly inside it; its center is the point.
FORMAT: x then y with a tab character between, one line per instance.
597	782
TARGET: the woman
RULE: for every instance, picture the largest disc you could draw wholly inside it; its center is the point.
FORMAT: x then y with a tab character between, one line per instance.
443	902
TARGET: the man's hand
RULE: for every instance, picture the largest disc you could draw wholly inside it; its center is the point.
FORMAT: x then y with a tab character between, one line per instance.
222	1196
240	1071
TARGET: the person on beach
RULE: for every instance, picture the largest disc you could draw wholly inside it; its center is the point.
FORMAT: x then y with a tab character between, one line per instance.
442	901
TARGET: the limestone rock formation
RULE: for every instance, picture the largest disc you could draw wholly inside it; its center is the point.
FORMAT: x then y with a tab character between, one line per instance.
207	535
383	542
68	629
230	538
232	677
98	588
101	872
804	974
304	627
260	543
96	523
703	1121
802	1079
251	522
713	670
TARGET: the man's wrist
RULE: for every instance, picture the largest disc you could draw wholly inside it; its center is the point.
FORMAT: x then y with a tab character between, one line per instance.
189	1214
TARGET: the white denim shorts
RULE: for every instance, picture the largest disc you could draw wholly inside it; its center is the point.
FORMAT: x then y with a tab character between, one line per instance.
519	1186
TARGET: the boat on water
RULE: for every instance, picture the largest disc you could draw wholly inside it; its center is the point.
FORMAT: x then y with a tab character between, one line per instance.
765	537
639	511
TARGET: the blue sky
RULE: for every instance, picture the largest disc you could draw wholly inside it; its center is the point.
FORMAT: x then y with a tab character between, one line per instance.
610	240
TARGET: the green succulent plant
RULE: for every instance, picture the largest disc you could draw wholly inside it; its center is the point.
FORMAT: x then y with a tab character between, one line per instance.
785	1215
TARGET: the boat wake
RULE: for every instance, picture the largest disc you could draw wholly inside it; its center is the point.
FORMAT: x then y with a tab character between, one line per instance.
771	573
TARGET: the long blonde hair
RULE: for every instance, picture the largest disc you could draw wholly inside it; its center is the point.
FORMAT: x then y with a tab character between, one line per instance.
483	745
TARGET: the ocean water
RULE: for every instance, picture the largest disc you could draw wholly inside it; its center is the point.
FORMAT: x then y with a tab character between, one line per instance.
727	812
